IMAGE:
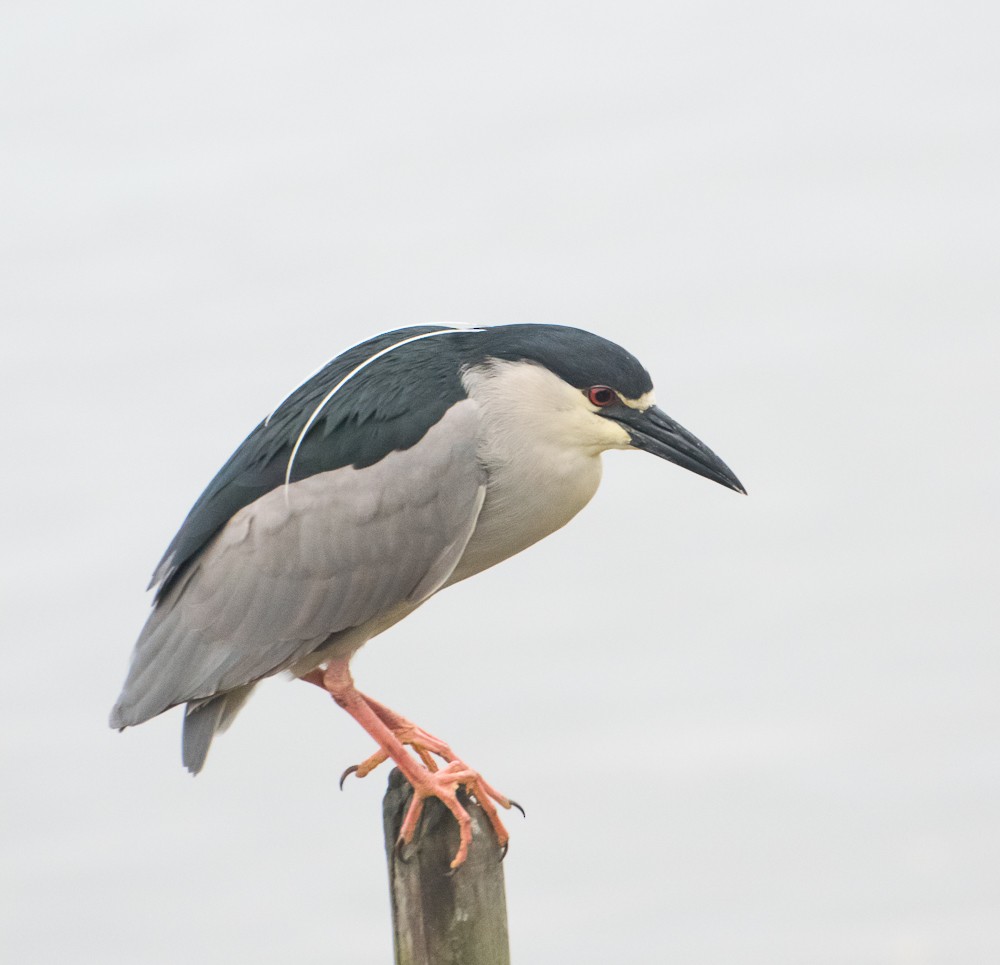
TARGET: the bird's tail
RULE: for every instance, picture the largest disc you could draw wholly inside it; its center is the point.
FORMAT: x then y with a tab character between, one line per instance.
203	719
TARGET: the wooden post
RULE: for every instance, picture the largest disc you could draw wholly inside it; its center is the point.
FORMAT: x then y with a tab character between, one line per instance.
438	917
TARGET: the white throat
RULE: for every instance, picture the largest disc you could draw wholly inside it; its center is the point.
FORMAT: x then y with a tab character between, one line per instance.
540	444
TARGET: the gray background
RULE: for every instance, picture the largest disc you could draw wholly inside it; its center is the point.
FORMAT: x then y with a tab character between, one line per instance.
751	730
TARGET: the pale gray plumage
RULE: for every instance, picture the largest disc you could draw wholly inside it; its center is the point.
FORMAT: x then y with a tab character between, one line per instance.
203	719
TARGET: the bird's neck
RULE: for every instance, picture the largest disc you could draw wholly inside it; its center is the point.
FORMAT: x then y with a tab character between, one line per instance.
539	473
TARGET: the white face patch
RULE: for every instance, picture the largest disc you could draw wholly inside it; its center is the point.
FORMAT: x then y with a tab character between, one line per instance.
527	404
645	401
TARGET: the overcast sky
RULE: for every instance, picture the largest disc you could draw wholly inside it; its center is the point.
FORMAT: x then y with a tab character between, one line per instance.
745	730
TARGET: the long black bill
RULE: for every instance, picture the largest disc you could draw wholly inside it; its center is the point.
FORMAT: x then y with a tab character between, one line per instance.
654	431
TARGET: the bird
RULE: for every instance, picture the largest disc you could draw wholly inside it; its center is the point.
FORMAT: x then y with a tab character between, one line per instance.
408	463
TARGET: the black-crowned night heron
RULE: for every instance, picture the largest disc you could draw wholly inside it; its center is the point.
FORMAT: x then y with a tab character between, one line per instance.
412	461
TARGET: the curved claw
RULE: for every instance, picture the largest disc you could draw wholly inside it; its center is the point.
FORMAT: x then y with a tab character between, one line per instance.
505	849
514	804
350	771
400	853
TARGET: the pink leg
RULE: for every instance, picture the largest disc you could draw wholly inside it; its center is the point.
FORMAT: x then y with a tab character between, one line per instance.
409	733
423	744
442	784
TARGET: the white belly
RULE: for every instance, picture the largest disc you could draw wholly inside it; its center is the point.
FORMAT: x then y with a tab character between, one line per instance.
527	498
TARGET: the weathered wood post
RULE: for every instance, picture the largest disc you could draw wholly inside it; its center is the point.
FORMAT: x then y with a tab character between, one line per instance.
440	917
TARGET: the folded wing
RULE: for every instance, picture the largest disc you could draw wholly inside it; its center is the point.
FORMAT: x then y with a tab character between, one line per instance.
289	571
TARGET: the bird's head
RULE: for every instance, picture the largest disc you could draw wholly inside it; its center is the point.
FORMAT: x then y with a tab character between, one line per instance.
585	391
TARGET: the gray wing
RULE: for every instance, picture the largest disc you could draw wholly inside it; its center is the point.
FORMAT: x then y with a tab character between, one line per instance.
333	552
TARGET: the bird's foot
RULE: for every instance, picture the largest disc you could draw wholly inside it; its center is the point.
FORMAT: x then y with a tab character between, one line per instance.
453	774
393	733
443	784
424	745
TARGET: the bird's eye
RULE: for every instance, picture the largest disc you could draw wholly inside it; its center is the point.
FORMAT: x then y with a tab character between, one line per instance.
601	395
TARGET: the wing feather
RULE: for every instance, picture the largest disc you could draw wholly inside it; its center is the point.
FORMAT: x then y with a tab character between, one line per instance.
336	551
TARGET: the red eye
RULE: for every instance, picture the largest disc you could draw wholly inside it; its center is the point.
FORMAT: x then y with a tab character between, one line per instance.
601	395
